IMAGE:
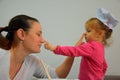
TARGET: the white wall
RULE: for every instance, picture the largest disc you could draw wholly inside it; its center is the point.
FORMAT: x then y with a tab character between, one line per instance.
63	23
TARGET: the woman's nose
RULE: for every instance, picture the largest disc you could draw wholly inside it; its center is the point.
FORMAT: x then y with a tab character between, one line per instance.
42	40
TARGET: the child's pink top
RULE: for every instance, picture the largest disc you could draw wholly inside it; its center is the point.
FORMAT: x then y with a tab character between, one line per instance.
93	64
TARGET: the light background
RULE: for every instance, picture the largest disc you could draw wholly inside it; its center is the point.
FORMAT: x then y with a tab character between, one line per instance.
63	24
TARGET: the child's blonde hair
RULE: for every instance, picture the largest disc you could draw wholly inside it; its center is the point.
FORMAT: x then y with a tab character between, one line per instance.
97	25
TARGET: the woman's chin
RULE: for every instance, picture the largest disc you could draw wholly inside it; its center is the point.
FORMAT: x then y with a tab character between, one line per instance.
37	51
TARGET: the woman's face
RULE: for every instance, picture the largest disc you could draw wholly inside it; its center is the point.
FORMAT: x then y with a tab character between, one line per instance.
33	39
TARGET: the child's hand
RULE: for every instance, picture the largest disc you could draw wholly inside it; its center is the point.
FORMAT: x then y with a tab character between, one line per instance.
49	46
80	40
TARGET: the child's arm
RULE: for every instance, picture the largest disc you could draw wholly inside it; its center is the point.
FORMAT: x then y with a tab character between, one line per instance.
49	46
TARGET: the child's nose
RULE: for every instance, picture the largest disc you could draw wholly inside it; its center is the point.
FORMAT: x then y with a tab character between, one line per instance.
85	33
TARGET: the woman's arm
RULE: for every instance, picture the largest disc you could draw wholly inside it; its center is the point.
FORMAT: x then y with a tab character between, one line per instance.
64	69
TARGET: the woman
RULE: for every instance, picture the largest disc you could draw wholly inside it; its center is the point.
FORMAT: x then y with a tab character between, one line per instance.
24	36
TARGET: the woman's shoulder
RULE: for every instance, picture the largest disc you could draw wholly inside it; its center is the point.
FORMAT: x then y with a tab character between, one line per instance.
32	56
32	59
4	61
4	53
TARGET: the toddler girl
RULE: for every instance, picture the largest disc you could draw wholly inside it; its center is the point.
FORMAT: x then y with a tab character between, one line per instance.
93	64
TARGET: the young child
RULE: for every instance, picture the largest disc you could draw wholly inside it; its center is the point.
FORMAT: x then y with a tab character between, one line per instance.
93	64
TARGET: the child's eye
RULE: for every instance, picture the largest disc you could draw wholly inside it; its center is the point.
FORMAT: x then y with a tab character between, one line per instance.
88	30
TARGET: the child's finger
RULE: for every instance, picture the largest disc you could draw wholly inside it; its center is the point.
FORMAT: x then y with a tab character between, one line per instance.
82	37
46	42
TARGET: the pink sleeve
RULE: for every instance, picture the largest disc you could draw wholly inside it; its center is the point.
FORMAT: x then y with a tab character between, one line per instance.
75	51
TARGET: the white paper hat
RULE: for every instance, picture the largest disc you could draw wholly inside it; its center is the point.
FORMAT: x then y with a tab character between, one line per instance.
107	18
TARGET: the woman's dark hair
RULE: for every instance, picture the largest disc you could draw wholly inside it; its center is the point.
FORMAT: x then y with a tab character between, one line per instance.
17	22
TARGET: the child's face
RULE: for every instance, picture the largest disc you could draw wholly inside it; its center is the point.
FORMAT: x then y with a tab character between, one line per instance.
91	34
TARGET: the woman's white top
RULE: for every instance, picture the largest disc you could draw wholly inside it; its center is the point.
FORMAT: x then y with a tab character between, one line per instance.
30	68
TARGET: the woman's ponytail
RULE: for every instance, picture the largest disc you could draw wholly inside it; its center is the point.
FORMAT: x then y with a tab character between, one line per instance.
4	42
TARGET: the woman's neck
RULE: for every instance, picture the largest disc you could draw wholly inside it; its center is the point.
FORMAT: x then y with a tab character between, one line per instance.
17	55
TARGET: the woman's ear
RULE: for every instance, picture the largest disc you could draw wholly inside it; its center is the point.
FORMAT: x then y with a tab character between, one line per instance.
20	34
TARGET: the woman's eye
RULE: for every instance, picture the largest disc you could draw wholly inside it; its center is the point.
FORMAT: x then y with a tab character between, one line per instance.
39	34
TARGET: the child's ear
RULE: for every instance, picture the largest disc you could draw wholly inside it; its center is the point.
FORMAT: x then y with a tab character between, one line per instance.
102	33
20	34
